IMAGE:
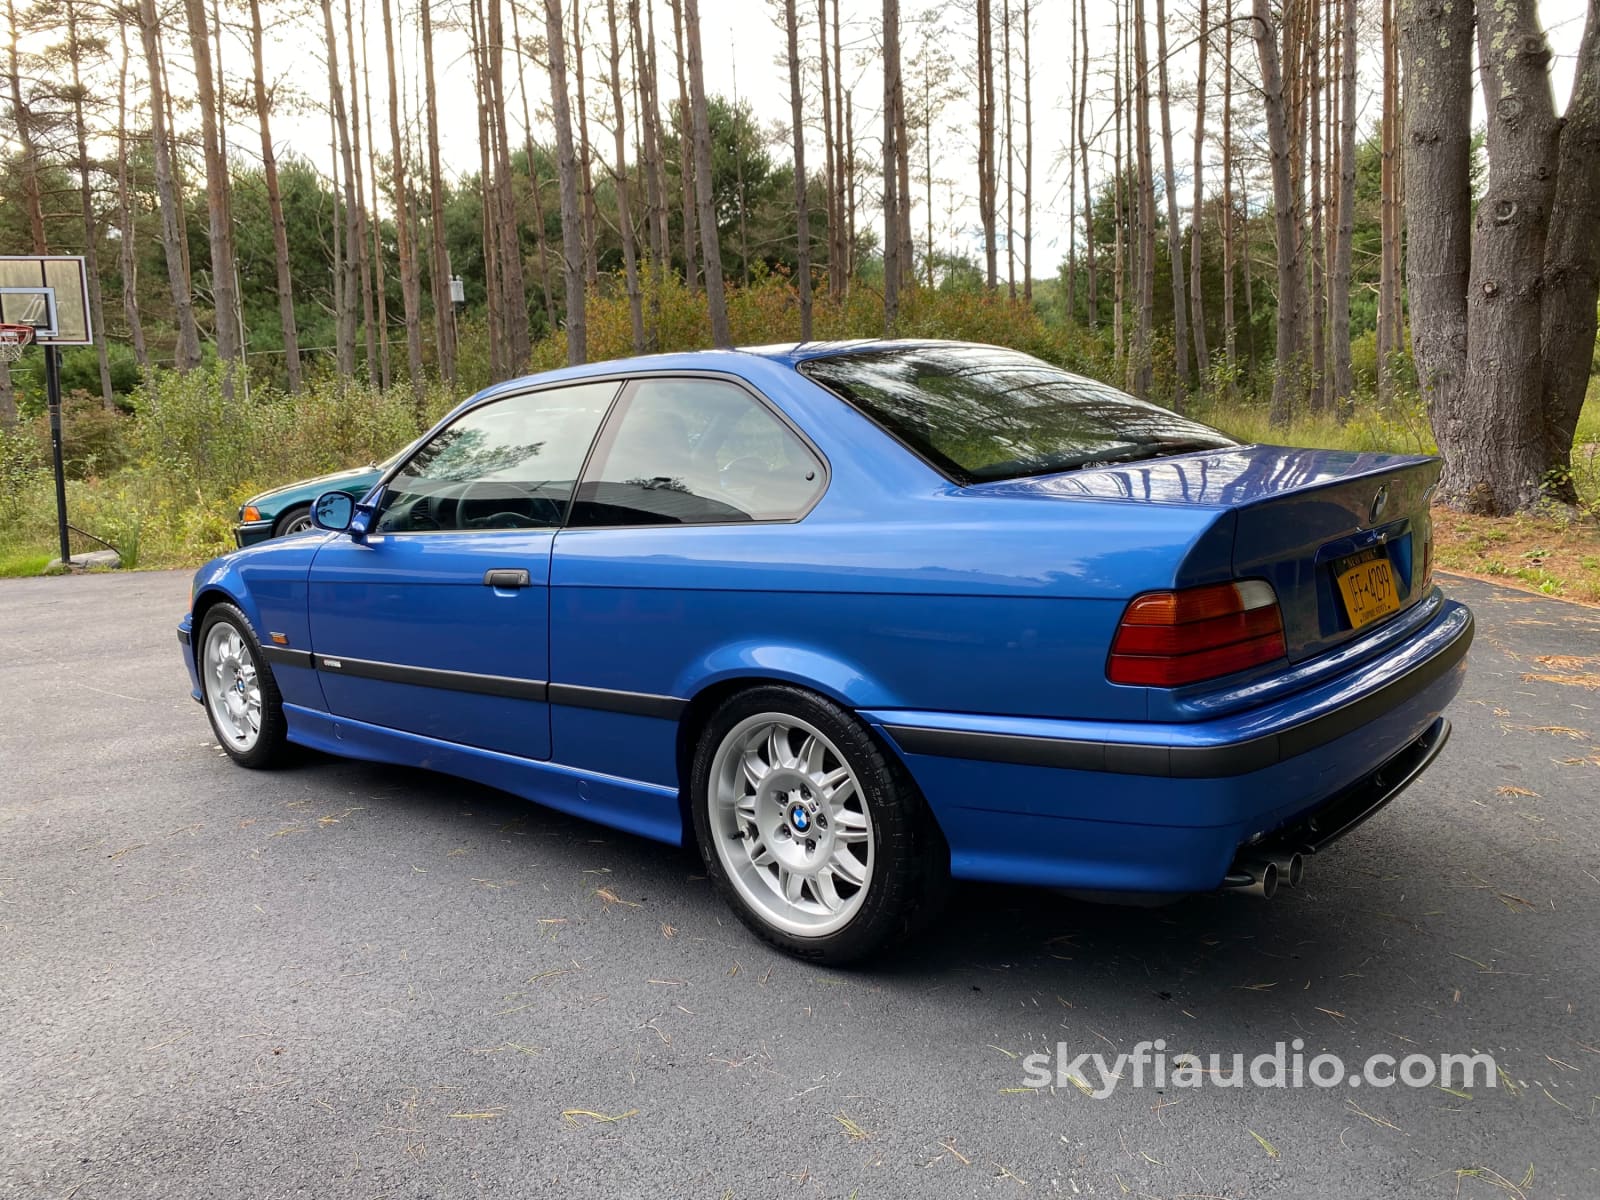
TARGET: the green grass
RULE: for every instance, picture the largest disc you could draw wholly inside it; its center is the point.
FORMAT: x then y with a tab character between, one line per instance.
20	562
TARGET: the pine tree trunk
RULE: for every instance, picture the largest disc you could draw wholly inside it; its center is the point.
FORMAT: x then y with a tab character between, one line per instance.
535	182
1141	365
444	313
1027	154
630	264
361	248
410	284
571	214
127	262
1180	290
1319	295
686	160
380	284
1389	208
1119	186
91	231
1083	161
591	216
186	352
1197	301
843	144
280	229
1344	238
1436	47
986	149
224	292
513	284
802	210
1498	461
1572	265
349	290
1009	151
891	166
829	149
1291	282
711	250
22	123
1230	333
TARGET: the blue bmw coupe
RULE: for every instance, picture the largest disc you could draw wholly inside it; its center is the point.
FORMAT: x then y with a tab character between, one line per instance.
857	619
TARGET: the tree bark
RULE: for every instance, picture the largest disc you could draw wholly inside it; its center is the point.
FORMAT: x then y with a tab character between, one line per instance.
802	210
280	228
1141	367
1180	290
686	161
986	164
1006	141
1389	207
444	313
571	217
1027	153
591	216
22	121
127	261
1083	160
711	250
410	283
1319	295
1572	265
1436	47
891	166
1118	188
1344	237
359	240
380	283
349	289
829	150
513	284
224	291
630	262
1291	284
1230	333
91	229
1197	302
186	352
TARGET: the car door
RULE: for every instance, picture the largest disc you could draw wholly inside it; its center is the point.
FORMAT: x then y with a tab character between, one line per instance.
437	621
690	491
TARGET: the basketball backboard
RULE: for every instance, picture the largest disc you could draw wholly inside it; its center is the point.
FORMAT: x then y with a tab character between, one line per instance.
49	292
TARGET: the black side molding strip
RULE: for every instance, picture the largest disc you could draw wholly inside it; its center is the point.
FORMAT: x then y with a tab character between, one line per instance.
1184	762
638	704
286	657
453	681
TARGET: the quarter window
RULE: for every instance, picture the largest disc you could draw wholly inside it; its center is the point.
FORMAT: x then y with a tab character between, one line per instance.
510	464
696	452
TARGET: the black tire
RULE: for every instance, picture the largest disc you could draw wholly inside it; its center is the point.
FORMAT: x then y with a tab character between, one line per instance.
300	512
271	747
911	861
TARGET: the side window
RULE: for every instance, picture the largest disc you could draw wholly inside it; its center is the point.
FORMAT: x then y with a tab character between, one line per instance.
511	464
696	452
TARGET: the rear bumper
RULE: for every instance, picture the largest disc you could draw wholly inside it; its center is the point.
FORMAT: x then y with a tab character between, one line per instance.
1165	807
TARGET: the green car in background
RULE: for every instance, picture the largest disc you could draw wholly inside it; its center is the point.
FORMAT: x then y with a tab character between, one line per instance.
288	509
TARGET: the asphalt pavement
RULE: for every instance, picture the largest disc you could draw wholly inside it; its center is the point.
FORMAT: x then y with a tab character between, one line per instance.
343	980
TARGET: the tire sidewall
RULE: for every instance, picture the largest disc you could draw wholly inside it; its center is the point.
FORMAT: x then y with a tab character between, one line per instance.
280	527
269	744
893	811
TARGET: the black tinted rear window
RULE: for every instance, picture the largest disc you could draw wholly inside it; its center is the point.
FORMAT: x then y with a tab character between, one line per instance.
979	413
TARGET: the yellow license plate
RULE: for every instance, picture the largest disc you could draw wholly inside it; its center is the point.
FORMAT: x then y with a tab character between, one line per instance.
1367	583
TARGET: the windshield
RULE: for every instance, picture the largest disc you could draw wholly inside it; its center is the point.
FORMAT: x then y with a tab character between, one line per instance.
979	413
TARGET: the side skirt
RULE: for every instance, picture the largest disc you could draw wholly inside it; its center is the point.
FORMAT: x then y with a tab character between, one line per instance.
645	809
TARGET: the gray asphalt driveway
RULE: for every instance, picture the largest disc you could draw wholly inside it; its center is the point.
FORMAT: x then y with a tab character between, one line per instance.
344	980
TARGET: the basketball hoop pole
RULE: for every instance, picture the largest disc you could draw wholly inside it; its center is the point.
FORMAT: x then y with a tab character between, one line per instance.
52	387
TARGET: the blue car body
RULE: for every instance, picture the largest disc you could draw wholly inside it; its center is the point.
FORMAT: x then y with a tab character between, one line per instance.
967	624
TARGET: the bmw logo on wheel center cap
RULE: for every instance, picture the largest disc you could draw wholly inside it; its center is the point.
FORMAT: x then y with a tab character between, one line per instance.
799	818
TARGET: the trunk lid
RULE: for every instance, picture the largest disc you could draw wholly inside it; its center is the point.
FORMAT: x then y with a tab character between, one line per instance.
1339	534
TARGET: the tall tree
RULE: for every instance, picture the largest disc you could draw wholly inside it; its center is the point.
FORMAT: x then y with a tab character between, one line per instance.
1140	365
127	260
1180	291
1319	295
1344	234
1007	142
219	190
1027	152
567	160
410	282
802	210
591	217
76	49
829	151
444	313
1291	284
700	119
360	249
1202	353
269	172
1389	204
513	283
987	186
630	265
186	353
1083	163
686	162
891	165
1230	335
348	292
22	122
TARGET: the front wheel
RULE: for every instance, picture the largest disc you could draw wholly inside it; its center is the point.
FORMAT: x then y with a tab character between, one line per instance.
296	520
241	696
811	831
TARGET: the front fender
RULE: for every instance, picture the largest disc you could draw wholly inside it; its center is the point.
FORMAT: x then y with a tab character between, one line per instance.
269	584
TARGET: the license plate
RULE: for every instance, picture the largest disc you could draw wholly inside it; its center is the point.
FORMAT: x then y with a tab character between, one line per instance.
1366	581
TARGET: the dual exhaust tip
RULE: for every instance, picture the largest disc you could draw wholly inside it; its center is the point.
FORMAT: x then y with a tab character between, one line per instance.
1261	875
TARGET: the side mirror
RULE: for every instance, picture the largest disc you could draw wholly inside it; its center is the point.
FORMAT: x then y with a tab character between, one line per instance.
333	512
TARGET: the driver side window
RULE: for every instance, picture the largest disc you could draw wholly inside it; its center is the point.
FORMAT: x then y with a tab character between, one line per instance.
510	464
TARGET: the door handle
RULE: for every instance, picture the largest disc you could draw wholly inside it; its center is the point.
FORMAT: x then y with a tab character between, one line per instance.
507	577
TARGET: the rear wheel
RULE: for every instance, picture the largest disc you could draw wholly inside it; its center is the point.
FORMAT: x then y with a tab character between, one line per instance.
815	836
241	696
296	520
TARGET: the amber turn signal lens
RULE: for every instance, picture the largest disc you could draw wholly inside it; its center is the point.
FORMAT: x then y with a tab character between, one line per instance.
250	513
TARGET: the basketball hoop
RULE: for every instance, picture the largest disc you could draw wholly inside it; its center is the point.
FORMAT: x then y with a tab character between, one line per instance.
14	340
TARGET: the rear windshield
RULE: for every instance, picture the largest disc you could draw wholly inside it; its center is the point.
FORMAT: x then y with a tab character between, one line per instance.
978	413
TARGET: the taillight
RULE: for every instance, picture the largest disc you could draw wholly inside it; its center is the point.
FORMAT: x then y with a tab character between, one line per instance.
1168	639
